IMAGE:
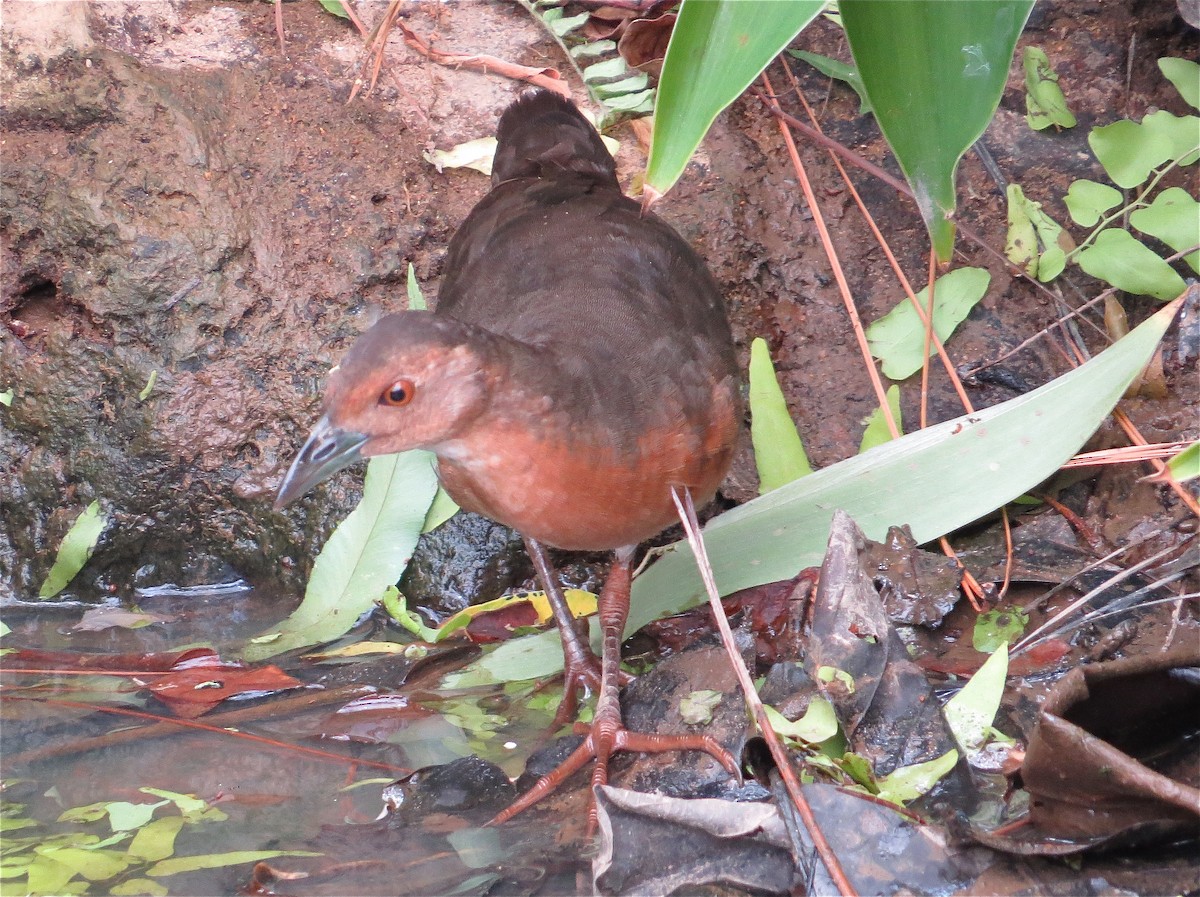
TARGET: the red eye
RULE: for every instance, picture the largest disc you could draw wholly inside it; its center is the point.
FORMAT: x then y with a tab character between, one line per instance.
399	393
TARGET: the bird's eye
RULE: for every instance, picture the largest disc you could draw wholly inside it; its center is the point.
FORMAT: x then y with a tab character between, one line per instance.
399	393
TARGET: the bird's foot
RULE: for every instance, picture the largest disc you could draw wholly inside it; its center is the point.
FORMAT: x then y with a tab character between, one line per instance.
581	677
606	736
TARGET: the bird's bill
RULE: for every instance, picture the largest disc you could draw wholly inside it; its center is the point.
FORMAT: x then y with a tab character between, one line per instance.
327	451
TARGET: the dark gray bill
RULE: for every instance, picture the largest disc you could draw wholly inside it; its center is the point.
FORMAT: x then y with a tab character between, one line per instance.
327	451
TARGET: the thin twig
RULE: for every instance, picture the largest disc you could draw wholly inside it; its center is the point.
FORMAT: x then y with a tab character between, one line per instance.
682	497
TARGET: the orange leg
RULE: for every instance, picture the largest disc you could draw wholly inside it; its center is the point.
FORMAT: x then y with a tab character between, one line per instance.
607	734
581	667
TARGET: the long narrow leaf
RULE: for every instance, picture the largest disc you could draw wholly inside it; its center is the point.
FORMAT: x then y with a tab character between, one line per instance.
936	480
934	73
718	47
366	553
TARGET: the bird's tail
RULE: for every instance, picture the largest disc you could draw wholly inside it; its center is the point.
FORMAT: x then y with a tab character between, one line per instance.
543	134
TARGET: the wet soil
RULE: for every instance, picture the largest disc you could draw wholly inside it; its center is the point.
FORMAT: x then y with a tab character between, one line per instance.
181	199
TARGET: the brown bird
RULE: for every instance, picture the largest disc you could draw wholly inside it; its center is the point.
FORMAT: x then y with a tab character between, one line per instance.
578	367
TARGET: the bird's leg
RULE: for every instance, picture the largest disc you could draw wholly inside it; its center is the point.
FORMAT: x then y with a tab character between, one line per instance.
607	733
581	668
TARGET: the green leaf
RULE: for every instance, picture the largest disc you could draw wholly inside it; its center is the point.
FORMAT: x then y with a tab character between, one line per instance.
609	68
562	25
48	876
149	387
632	102
1035	242
1116	257
124	816
440	510
396	606
877	432
77	546
1088	200
778	451
156	840
909	782
335	7
819	722
632	84
596	48
1174	218
898	338
1130	151
94	865
934	73
998	627
718	47
366	553
138	887
838	70
971	712
1185	75
974	464
6	398
220	860
1045	104
1186	465
696	708
416	299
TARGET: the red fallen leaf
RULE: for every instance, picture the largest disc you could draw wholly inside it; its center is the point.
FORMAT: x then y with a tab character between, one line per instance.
644	43
195	691
71	660
500	625
1035	660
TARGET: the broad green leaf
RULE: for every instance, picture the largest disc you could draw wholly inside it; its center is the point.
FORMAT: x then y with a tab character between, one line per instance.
718	47
48	876
1130	151
1088	200
898	338
609	68
366	553
1186	465
124	816
335	7
596	48
632	84
971	712
94	865
696	708
632	102
6	398
934	73
936	480
877	432
220	860
156	840
1185	75
1116	257
138	887
909	782
819	722
778	451
1045	104
77	546
1174	218
839	70
562	25
998	627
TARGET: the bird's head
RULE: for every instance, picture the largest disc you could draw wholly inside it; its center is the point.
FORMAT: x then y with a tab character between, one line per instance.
414	380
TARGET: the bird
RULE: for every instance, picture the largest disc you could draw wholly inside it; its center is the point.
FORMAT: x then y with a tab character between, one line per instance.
578	367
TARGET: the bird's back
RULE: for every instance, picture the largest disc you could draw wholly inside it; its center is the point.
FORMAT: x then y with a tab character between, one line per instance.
632	365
